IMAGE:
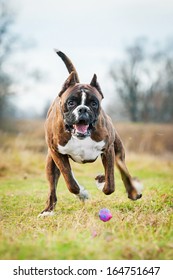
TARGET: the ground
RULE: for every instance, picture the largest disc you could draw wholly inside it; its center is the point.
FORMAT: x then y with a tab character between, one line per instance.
138	229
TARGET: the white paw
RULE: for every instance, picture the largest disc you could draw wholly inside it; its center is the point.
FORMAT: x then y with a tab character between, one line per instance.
83	194
100	186
46	213
100	182
137	185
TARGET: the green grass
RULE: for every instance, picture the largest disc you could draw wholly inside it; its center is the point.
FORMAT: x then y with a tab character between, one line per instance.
138	230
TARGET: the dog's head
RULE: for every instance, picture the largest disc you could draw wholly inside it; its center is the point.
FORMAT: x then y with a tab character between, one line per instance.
80	105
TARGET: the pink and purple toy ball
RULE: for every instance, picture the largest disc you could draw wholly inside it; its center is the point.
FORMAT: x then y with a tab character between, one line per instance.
105	215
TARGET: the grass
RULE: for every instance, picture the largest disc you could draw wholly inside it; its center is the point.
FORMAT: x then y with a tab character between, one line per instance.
138	230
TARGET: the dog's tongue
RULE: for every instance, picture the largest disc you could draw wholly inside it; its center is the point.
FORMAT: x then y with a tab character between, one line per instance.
81	128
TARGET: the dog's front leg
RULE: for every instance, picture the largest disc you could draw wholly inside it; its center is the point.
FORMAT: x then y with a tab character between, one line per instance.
53	175
62	162
106	182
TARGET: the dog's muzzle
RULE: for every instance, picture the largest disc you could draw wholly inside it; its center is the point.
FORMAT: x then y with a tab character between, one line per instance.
83	123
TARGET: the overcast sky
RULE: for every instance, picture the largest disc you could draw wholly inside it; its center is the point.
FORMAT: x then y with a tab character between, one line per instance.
92	33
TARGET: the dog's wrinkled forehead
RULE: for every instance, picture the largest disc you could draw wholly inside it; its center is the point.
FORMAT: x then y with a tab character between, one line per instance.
81	92
83	96
86	90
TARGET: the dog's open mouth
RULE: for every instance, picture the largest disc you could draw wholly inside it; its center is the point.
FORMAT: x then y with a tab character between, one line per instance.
82	130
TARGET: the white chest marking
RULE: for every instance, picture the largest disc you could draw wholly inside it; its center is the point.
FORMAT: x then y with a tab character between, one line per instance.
82	150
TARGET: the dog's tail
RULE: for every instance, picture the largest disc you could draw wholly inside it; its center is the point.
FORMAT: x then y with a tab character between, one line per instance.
68	63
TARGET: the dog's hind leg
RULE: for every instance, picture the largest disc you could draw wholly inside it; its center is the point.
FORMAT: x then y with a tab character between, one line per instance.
106	182
133	185
53	175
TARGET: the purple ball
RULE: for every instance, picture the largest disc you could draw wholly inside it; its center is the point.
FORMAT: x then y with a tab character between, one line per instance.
105	215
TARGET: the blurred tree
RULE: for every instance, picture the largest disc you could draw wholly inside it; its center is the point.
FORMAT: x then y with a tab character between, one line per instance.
127	80
8	42
144	83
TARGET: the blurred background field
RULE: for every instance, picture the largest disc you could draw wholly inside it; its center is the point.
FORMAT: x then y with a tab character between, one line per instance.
25	139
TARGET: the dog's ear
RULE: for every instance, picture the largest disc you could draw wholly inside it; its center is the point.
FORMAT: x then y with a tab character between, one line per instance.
95	84
71	81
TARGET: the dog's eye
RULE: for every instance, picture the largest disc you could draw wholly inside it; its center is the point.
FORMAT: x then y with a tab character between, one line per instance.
94	104
71	103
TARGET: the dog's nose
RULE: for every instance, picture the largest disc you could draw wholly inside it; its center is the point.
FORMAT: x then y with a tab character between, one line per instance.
82	110
83	114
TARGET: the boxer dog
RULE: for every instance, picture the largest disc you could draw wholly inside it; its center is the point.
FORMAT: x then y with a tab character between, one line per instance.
77	128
